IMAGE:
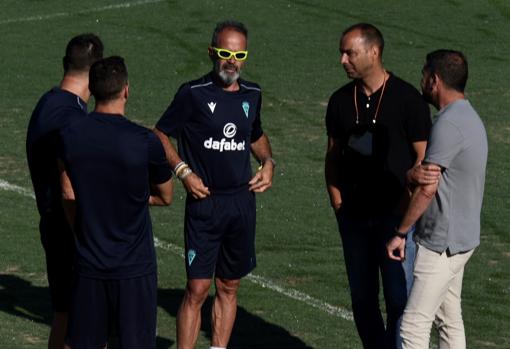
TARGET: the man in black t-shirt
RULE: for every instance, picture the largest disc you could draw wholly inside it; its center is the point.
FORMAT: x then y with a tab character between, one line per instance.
111	170
216	120
377	128
56	109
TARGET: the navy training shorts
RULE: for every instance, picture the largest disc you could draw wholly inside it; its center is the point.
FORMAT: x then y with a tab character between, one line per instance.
219	235
122	309
58	242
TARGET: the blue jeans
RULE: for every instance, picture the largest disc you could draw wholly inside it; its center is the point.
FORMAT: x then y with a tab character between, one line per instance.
364	244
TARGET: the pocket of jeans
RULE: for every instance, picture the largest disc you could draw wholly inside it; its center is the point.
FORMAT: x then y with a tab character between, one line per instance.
458	261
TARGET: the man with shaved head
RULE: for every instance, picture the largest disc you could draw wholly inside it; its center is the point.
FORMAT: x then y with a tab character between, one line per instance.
377	127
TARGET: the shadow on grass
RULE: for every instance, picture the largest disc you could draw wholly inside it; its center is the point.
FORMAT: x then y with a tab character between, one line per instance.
250	331
18	297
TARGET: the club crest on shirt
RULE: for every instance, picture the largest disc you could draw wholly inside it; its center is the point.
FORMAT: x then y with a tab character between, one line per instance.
211	106
246	108
191	256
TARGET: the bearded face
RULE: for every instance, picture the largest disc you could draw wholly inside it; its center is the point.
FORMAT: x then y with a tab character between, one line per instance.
228	72
228	69
427	86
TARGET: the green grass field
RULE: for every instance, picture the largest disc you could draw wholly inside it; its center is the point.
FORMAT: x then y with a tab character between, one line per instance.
298	296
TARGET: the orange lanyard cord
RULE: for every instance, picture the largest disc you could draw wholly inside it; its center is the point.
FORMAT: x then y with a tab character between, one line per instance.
378	103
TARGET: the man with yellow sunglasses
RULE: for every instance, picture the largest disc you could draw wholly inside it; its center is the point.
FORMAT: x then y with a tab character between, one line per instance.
227	54
216	120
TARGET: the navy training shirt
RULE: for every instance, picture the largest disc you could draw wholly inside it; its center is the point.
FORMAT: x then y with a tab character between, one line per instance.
55	110
214	129
111	162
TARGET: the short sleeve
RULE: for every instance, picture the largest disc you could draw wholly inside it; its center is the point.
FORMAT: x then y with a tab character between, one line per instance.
177	114
418	122
159	168
256	131
444	144
333	125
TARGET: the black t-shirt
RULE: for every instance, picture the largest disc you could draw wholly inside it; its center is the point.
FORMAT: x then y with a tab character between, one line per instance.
372	178
214	129
111	162
55	110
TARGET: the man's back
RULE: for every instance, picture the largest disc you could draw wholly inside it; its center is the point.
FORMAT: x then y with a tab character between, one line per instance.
55	110
111	162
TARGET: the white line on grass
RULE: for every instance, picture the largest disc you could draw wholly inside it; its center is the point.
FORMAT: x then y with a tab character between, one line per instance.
67	14
265	283
4	185
256	279
300	296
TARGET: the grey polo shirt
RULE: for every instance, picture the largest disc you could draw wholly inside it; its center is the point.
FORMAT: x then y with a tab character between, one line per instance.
458	143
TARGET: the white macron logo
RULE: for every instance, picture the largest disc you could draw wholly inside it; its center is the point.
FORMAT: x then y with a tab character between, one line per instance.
212	105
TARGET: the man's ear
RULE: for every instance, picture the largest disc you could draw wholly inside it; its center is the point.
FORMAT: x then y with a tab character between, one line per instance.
126	91
211	53
435	79
438	83
375	51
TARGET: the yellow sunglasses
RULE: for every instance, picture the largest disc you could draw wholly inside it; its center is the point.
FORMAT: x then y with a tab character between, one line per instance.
227	54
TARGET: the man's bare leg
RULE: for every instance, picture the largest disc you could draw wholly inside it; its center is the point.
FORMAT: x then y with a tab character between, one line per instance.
188	316
224	311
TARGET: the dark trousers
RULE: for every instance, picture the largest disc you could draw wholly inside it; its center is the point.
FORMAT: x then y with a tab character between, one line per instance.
364	244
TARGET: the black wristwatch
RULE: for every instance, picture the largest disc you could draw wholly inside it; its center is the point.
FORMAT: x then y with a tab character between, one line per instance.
399	234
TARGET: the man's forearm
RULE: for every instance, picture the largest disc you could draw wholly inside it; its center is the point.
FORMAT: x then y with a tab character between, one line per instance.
420	200
69	207
261	149
419	151
161	194
332	186
331	173
68	198
170	151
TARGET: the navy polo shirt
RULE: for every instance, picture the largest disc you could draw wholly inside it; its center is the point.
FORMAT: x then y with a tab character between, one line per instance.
214	129
55	110
111	163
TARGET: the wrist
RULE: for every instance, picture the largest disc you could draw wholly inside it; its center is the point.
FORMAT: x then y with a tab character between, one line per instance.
400	234
179	167
182	170
266	161
185	173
